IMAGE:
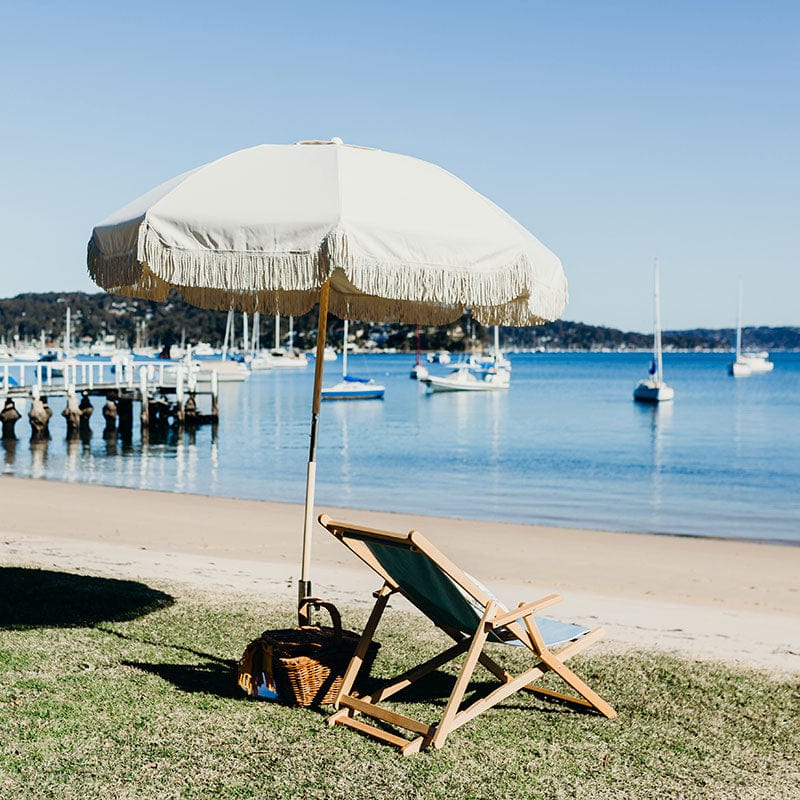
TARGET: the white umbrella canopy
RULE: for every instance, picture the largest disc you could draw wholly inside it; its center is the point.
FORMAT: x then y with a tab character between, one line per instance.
264	228
365	233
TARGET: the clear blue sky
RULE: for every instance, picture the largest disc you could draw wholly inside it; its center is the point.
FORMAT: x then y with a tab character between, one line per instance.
615	131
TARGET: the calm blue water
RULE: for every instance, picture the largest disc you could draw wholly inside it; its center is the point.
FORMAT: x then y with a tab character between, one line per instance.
566	445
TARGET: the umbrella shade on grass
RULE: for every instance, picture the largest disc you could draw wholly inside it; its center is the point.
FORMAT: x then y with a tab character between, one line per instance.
365	233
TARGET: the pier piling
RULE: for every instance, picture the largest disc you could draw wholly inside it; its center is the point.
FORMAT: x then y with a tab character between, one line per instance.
39	417
125	416
71	413
110	412
9	416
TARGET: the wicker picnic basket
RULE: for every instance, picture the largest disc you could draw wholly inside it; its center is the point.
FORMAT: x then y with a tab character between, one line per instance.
306	664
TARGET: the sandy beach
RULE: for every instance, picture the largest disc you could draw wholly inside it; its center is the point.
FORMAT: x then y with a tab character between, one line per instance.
726	600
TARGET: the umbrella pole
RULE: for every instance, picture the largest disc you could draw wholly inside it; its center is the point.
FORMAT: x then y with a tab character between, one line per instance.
304	585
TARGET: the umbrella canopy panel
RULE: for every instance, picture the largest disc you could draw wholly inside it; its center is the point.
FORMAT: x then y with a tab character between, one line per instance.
264	228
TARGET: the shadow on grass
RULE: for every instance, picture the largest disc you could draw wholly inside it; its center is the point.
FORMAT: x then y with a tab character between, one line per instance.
216	677
38	598
434	690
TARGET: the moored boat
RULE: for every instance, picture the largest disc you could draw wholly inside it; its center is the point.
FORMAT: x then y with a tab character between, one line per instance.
654	389
464	379
350	387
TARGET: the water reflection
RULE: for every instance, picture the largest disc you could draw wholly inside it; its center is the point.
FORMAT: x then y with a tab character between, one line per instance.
110	438
39	448
9	455
656	420
71	467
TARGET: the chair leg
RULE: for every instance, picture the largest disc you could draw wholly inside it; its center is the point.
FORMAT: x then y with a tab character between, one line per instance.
363	645
569	677
555	662
444	726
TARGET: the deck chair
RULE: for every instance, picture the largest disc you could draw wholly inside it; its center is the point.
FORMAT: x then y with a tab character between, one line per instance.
467	612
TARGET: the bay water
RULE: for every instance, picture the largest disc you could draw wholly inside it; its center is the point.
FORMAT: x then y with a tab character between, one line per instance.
565	446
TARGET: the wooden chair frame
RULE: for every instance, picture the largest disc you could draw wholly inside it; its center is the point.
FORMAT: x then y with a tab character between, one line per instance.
518	624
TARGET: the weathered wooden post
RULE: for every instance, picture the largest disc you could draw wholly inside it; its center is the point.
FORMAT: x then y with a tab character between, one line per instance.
72	414
86	409
110	414
39	416
214	393
125	414
145	413
190	410
9	416
179	414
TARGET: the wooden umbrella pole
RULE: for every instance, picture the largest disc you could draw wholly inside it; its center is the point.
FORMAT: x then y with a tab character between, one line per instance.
304	585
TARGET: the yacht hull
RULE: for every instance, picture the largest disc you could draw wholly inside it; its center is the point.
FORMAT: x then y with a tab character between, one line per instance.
651	392
353	391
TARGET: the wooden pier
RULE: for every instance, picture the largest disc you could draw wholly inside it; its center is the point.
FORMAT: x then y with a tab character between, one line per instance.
167	394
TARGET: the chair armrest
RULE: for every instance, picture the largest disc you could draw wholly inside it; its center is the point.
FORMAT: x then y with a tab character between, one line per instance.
525	609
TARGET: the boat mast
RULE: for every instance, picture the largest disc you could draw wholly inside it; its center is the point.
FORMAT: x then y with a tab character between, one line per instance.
290	346
228	328
245	336
256	332
497	343
739	324
277	331
657	329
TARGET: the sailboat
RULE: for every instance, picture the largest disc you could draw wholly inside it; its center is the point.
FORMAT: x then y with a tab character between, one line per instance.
286	356
463	379
654	388
746	364
492	362
350	387
475	375
419	371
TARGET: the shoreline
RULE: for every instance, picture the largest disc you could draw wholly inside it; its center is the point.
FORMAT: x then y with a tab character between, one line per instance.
719	599
554	526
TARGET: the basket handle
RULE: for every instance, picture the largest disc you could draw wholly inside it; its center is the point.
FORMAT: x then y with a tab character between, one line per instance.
336	617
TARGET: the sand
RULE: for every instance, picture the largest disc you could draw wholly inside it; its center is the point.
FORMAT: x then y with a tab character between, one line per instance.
733	601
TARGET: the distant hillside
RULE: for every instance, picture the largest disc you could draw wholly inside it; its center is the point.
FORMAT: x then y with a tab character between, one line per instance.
762	338
139	322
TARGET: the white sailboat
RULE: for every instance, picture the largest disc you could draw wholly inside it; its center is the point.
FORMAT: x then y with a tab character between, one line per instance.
350	387
654	389
463	379
745	364
492	374
419	371
283	357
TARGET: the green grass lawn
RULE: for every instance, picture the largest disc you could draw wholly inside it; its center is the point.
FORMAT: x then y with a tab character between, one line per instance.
113	689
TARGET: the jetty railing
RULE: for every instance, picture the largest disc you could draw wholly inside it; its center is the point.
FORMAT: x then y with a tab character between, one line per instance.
166	391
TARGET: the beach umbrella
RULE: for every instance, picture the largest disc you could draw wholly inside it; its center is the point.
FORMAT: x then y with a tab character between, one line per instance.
366	234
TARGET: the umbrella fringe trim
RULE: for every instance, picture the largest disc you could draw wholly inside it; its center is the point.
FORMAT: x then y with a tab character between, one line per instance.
119	269
389	285
248	281
229	270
